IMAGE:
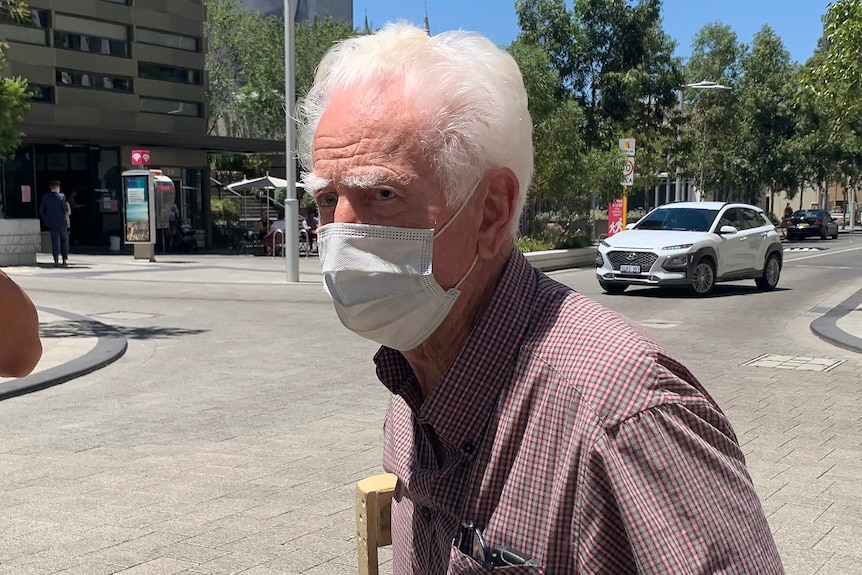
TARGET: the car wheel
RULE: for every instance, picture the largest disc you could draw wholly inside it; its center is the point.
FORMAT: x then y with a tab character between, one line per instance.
703	278
771	273
790	237
613	288
823	235
835	235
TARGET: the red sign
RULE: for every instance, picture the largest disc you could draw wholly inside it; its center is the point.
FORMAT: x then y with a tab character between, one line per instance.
140	157
615	217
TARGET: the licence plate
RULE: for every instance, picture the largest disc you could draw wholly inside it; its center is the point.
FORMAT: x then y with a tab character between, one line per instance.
801	225
626	269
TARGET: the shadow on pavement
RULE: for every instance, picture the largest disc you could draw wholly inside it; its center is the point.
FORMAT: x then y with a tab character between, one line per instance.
90	328
681	292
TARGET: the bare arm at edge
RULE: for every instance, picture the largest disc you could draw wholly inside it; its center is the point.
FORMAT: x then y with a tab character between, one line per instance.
20	347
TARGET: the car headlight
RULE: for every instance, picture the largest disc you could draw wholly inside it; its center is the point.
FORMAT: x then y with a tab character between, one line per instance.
676	262
678	247
604	243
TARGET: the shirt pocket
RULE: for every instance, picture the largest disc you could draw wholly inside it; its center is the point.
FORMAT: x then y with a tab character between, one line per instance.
461	564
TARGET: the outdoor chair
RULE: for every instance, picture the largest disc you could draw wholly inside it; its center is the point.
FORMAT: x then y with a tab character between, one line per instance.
245	241
373	509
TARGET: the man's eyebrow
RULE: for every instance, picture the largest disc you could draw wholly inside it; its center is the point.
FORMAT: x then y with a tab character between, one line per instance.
314	183
372	180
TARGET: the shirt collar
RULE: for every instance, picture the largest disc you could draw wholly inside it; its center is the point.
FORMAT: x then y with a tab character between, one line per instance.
459	406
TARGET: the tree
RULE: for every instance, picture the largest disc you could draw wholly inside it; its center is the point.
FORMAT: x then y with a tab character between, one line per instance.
615	76
245	69
766	94
713	123
13	91
311	41
245	66
832	82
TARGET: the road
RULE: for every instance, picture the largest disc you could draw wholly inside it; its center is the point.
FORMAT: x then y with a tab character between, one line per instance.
229	437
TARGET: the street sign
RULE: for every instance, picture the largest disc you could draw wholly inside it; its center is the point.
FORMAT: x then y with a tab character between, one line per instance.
628	172
140	157
627	145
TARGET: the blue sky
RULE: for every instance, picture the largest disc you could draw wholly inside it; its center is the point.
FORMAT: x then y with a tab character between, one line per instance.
798	22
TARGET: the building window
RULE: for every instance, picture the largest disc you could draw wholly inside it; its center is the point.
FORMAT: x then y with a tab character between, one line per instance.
41	94
145	36
95	81
32	30
153	71
93	44
170	107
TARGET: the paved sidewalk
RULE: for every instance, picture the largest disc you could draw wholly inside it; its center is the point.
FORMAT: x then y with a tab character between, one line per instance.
230	436
95	345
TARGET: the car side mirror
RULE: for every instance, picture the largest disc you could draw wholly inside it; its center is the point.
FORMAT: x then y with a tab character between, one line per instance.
727	230
630	226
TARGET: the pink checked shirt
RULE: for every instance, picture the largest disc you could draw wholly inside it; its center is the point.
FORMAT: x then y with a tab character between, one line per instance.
565	432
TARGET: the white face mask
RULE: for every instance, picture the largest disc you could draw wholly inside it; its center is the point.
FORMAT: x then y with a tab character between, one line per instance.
380	280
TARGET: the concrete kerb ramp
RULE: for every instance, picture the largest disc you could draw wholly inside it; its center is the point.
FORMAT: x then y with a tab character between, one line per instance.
110	345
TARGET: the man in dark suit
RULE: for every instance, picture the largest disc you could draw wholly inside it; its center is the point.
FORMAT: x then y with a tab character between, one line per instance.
54	210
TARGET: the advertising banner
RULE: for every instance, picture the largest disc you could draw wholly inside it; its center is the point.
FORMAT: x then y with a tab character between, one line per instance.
616	215
136	193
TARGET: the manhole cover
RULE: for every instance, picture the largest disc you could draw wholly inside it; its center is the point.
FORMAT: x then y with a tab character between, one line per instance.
124	315
796	362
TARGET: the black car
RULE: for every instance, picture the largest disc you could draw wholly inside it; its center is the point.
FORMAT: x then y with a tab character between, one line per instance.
811	223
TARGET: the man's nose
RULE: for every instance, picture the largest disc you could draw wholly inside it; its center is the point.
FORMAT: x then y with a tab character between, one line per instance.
345	212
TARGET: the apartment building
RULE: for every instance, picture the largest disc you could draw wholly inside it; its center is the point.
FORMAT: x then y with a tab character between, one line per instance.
110	76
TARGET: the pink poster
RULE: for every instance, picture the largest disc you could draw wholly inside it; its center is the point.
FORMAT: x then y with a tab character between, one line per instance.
615	217
25	195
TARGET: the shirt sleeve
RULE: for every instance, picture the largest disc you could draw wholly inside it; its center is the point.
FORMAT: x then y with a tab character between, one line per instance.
667	492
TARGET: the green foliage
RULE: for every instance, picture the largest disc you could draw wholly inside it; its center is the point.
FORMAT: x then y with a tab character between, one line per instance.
13	91
245	67
831	87
528	244
575	240
227	209
595	73
311	41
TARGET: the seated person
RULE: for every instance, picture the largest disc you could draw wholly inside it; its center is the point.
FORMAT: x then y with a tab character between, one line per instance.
309	224
269	239
261	227
186	241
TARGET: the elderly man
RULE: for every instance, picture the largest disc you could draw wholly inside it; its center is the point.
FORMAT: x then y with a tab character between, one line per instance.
527	425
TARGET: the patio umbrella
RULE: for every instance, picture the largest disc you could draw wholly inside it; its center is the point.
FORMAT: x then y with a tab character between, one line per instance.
265	183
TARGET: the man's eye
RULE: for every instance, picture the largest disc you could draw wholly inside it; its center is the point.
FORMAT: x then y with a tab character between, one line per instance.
326	200
382	194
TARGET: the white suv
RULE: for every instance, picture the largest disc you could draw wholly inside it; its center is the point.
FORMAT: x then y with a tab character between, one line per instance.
695	244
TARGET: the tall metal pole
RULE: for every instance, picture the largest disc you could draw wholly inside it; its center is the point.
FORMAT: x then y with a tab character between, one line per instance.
678	143
291	203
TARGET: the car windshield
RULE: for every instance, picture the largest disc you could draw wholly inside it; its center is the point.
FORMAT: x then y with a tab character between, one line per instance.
803	214
679	219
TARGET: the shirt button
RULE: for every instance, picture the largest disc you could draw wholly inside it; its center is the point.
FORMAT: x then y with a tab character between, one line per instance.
425	513
468	448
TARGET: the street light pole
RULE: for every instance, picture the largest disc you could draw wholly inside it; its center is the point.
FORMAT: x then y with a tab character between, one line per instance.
291	203
702	85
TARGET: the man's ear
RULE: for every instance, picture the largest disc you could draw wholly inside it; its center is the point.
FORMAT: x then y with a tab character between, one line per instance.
498	209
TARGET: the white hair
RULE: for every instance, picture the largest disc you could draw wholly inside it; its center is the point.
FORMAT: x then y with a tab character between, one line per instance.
471	92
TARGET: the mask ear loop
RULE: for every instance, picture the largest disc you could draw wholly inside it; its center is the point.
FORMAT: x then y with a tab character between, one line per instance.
452	219
459	210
